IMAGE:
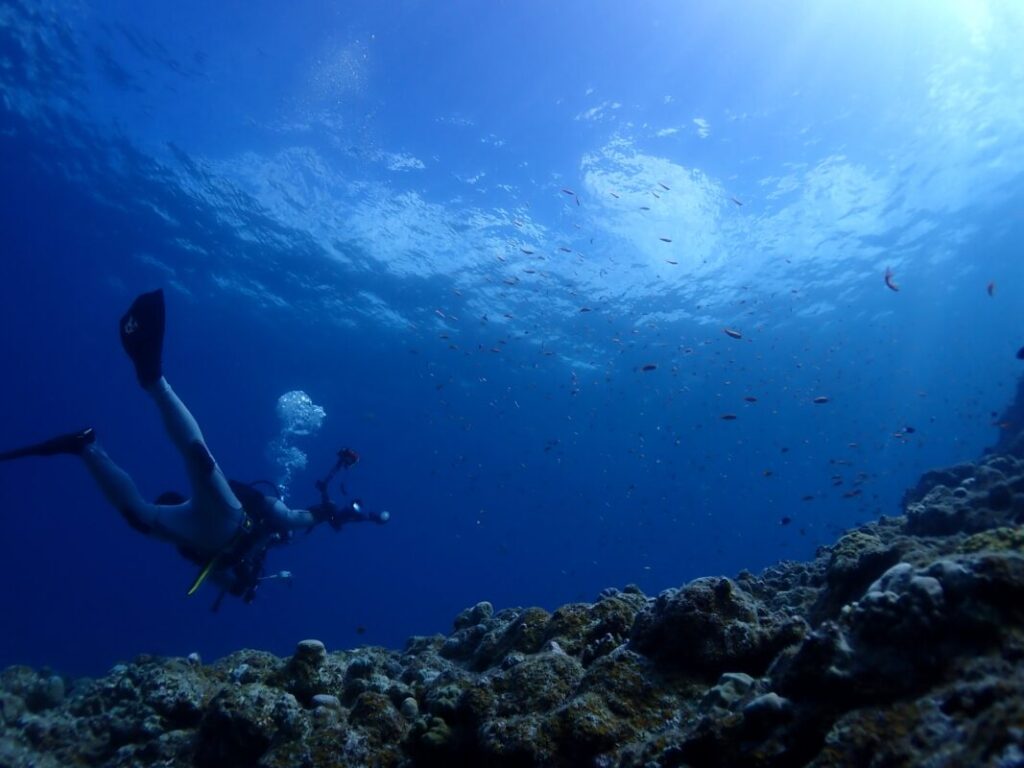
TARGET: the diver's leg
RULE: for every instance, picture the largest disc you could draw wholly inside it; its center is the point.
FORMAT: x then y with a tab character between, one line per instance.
166	521
209	484
180	524
142	335
183	524
120	490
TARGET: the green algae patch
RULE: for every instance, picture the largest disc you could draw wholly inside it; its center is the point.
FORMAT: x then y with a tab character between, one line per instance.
1005	539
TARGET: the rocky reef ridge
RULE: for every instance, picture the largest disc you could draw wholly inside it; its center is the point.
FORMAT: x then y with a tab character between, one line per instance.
900	645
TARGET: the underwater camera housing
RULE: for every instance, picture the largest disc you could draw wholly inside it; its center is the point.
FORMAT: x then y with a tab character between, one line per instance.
353	512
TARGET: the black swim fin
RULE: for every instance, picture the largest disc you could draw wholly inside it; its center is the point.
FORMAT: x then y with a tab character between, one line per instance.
72	443
142	336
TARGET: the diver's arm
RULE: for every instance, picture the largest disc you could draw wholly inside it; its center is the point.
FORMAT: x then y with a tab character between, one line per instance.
293	519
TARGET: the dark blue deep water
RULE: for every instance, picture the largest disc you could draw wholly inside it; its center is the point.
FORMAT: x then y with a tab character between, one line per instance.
464	230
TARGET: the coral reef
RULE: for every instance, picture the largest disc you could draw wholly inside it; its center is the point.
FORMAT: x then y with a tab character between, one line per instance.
901	644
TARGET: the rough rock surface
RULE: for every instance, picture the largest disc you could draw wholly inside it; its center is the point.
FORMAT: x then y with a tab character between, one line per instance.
1011	426
900	645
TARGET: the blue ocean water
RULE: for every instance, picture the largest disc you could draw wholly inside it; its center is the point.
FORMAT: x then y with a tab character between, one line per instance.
467	232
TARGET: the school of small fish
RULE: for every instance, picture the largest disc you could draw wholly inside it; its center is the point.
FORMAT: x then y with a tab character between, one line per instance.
850	483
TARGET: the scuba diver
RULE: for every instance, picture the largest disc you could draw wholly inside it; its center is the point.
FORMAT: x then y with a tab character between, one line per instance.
227	527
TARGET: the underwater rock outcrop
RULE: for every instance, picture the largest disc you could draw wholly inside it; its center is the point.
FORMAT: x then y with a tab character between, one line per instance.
899	645
1011	426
